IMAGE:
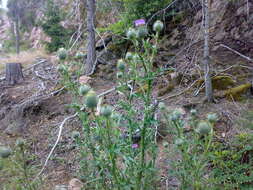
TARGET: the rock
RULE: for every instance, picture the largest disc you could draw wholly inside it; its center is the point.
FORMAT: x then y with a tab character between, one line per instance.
15	128
61	187
75	184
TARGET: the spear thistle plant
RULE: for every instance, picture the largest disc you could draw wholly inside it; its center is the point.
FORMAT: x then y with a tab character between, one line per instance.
118	150
193	150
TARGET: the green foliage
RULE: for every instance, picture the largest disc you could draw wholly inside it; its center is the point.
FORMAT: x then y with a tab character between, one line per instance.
232	164
135	9
53	28
119	150
192	149
17	172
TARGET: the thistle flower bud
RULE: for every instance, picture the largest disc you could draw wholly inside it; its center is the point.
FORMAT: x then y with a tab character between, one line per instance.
119	75
106	111
193	112
62	53
129	56
142	32
5	152
158	26
212	117
20	142
162	106
131	34
84	89
91	100
121	65
204	128
62	68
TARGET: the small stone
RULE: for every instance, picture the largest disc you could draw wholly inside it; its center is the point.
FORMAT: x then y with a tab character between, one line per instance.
75	184
61	187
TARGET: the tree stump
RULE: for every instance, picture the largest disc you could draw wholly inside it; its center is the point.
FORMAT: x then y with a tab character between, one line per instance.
13	73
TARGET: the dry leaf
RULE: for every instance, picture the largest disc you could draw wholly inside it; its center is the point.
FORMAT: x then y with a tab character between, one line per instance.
84	79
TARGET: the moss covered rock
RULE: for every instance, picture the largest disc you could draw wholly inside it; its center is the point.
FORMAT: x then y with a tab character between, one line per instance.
237	92
220	82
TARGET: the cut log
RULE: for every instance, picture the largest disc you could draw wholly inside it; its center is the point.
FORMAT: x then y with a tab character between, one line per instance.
13	74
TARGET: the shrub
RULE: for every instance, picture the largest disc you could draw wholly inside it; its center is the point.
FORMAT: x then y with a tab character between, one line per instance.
53	28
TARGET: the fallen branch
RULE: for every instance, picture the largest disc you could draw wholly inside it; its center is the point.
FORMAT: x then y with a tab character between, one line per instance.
57	141
178	94
236	52
60	132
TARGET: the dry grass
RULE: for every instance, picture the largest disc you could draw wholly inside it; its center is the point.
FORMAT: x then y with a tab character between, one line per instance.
26	58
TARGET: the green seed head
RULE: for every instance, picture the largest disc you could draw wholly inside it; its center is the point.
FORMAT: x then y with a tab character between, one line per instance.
204	128
193	112
20	142
106	111
84	89
129	56
212	117
62	53
119	75
162	106
131	34
142	32
62	68
158	26
121	65
5	152
91	100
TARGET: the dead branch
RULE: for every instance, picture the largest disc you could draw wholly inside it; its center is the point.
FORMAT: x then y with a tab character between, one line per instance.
236	52
178	94
57	140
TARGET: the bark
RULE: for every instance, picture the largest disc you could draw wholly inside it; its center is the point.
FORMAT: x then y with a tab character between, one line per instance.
13	74
91	49
206	61
17	36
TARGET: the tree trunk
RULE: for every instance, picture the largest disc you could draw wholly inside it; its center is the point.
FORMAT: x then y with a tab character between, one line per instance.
17	35
13	74
206	61
91	49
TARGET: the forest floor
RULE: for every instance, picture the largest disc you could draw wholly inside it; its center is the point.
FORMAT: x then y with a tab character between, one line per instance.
43	119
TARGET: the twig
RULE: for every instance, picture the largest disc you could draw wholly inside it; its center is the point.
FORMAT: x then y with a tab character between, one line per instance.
174	95
160	11
238	53
58	138
60	132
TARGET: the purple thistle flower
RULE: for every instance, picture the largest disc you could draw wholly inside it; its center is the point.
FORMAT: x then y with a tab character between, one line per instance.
139	22
134	146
